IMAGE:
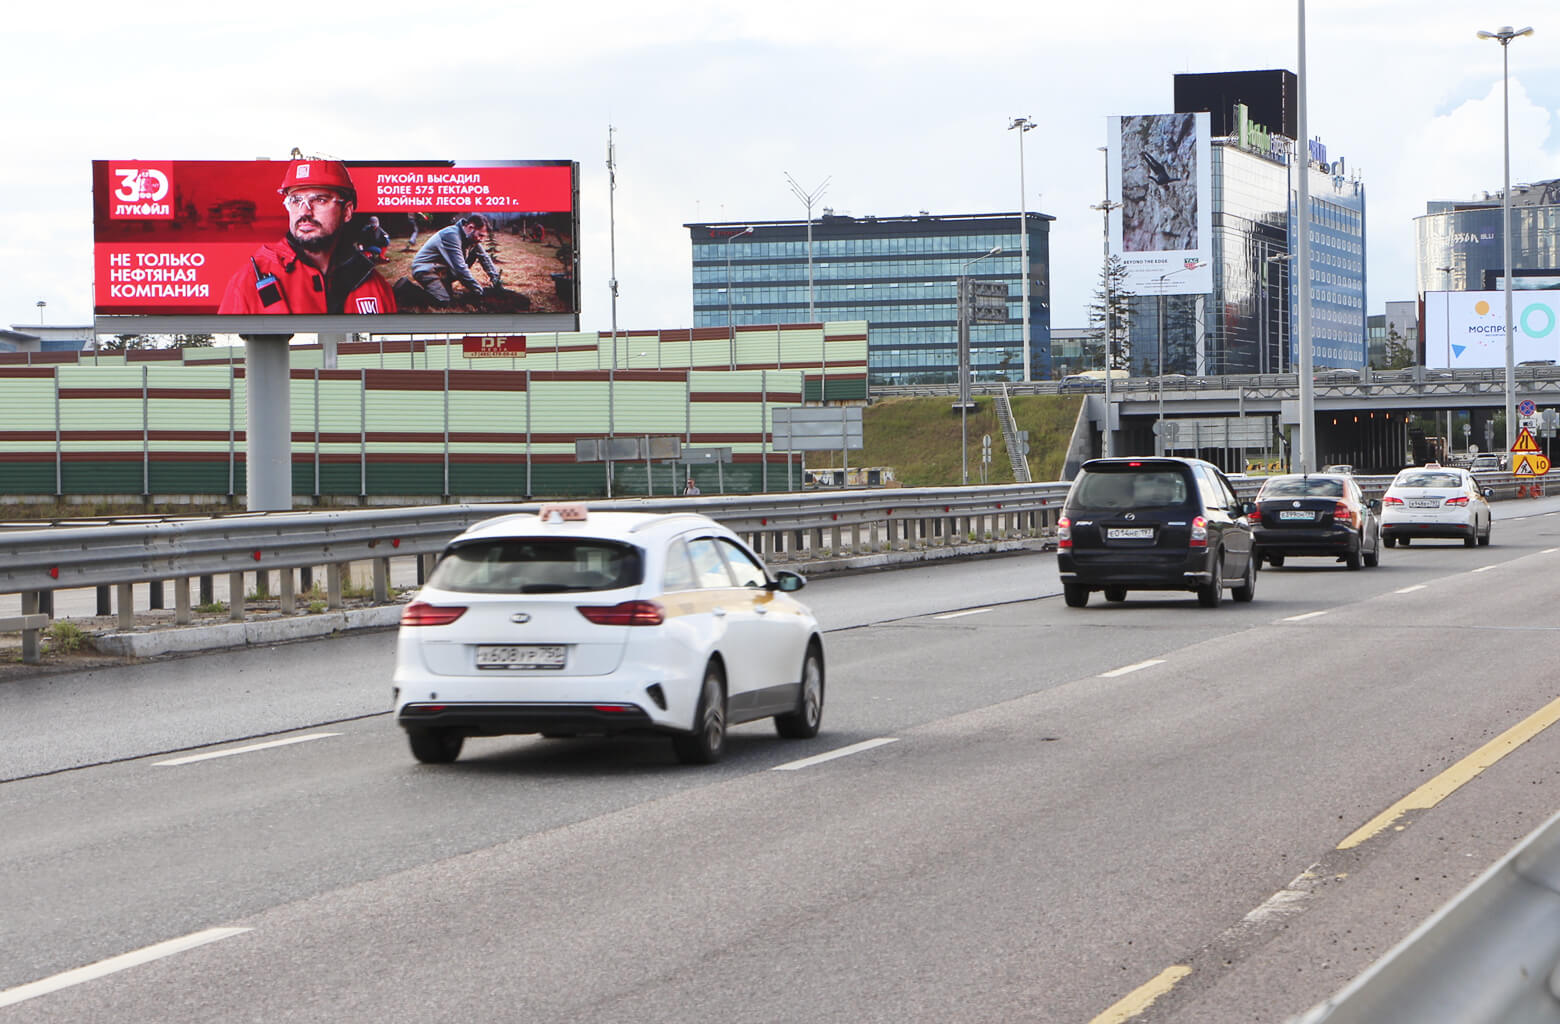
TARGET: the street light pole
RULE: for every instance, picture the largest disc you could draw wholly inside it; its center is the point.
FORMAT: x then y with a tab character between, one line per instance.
1023	124
1506	35
1159	425
808	198
1302	267
964	363
612	284
731	324
1106	206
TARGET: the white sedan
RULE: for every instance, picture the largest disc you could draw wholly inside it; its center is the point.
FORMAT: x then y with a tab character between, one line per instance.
573	622
1435	501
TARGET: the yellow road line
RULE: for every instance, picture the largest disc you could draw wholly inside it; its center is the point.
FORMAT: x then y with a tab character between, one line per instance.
1143	996
1449	781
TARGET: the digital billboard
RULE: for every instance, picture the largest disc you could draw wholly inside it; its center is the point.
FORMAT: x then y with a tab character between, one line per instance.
1163	235
321	244
1467	330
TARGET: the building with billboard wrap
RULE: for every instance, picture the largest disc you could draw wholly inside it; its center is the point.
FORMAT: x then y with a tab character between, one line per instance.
1226	304
899	274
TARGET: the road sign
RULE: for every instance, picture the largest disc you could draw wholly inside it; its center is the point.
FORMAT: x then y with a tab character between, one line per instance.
1525	442
819	429
1527	407
988	302
1528	464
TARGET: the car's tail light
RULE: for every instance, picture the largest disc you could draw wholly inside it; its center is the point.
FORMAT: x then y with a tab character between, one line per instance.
1460	500
1199	532
1256	510
1063	534
1342	513
1389	500
629	613
421	613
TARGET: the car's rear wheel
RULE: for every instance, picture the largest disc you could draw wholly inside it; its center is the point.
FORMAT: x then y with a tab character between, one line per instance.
1276	561
1115	593
1247	588
1403	541
706	742
1210	595
1389	541
802	724
1353	559
435	746
1472	538
1075	594
1484	538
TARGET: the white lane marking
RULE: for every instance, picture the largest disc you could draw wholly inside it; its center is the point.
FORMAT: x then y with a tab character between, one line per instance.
1484	568
955	615
1549	551
1301	618
1113	673
245	750
854	748
1410	590
113	964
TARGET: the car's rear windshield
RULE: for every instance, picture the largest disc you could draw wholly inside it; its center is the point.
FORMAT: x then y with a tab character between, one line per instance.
1302	487
1137	488
1427	479
520	565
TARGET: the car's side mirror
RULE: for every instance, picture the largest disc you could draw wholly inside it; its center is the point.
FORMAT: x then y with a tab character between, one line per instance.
1489	492
1375	504
788	581
1248	508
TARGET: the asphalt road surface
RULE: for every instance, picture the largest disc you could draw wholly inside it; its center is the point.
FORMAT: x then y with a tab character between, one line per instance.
1147	811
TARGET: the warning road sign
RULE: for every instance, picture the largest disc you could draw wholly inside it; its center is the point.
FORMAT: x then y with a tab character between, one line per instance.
1529	464
1525	442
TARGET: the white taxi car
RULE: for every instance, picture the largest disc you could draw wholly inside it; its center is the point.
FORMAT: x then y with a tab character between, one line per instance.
572	622
1435	501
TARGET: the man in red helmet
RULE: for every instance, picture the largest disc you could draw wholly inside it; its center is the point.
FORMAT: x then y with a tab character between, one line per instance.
316	268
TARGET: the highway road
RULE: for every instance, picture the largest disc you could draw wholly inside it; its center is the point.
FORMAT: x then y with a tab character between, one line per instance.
1148	811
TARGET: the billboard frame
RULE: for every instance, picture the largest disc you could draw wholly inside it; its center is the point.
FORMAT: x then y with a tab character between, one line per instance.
1183	271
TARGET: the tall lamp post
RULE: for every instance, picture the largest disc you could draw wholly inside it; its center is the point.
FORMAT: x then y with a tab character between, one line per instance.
1023	124
1110	316
1159	425
964	363
808	198
1506	34
730	323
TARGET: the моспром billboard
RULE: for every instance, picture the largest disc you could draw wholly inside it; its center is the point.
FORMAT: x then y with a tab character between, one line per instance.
1467	330
312	238
1161	181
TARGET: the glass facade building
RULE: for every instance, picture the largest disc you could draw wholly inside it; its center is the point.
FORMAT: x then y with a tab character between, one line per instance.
1248	324
1460	247
900	274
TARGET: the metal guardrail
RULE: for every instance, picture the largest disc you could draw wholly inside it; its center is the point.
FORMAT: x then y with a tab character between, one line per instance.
1490	956
783	528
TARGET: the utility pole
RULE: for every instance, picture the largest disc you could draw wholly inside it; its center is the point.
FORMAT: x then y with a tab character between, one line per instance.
612	284
1106	206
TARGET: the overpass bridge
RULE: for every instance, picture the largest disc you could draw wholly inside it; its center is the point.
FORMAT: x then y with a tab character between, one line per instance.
1362	416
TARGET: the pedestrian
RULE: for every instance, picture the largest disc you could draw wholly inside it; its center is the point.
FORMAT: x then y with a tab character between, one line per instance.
691	488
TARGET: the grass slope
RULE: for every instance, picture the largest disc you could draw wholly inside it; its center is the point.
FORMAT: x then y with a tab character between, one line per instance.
919	438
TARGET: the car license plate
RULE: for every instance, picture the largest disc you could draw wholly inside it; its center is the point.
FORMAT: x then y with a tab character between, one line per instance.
1424	502
520	656
1305	516
1130	533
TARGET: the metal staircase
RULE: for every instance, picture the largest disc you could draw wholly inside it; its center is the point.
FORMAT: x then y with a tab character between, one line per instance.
1015	444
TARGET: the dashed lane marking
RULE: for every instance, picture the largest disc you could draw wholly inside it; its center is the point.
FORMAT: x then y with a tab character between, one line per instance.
854	748
243	750
114	964
958	615
1113	673
1302	618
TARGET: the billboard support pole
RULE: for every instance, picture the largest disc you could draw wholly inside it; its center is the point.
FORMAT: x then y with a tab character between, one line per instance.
268	443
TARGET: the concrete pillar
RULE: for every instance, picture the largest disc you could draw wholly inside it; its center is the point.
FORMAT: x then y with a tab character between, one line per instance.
268	451
236	596
181	601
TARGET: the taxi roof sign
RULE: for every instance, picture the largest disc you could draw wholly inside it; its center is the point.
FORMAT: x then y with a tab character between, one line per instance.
563	512
1525	442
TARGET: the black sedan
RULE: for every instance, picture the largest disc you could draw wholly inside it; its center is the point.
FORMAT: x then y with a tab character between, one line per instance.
1316	514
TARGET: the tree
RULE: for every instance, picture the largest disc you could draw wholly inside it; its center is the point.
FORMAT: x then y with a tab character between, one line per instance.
1397	354
129	342
1113	278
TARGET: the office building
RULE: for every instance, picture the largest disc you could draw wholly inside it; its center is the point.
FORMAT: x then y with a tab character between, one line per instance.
1459	246
1246	322
899	274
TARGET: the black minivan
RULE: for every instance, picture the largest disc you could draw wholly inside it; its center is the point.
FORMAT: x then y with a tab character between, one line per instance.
1154	524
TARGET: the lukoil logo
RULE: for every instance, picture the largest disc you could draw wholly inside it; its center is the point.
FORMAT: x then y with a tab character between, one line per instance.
142	193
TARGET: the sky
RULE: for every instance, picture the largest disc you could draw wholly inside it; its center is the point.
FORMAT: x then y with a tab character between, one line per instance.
899	108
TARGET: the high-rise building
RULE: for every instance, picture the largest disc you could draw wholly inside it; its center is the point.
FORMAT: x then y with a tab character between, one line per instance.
900	274
1246	322
1459	246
